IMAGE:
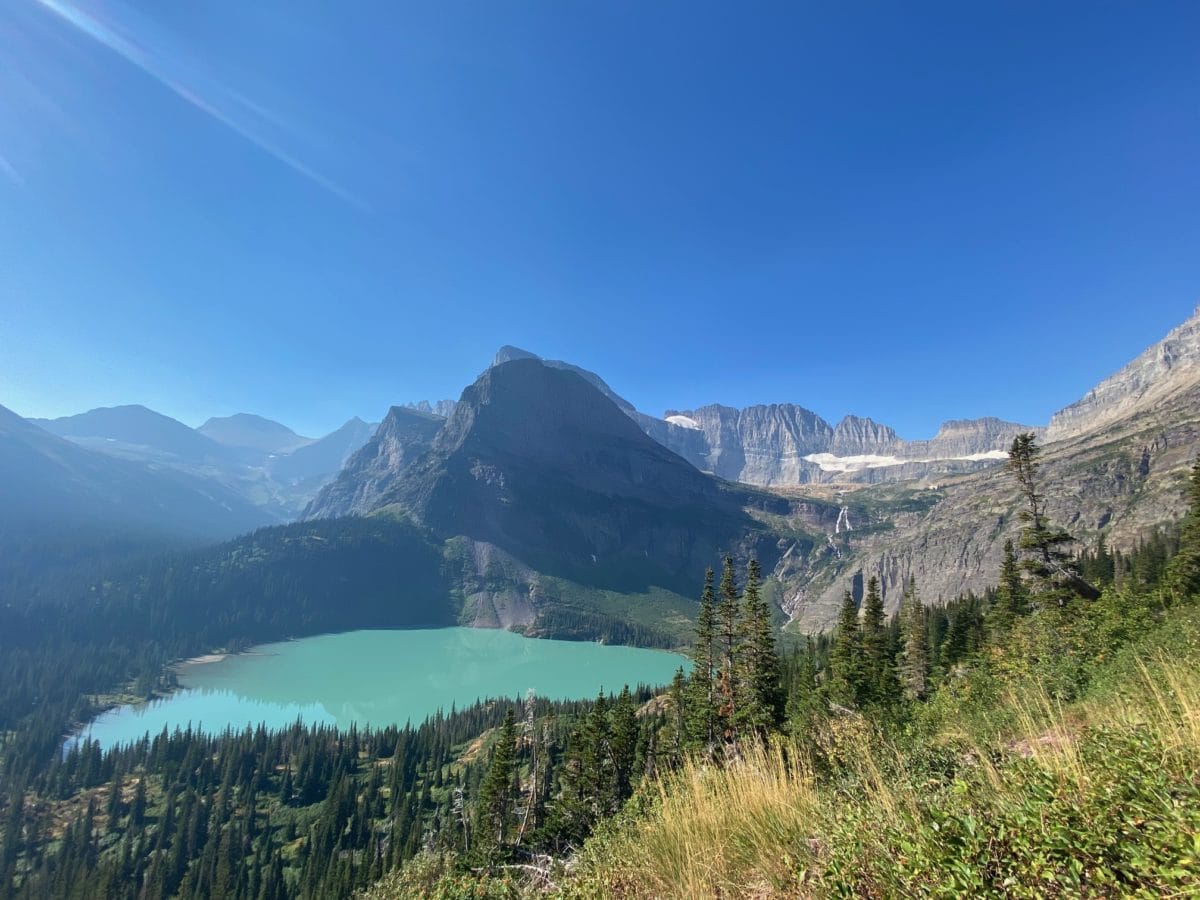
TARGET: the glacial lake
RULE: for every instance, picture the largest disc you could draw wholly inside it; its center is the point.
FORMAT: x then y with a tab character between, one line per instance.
380	678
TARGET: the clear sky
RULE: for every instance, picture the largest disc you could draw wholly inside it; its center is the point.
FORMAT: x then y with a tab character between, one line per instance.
312	210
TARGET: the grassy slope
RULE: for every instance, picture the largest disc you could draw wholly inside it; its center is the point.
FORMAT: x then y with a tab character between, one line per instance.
993	789
1098	797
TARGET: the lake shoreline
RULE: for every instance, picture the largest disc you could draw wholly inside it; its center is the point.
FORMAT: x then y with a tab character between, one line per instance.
329	678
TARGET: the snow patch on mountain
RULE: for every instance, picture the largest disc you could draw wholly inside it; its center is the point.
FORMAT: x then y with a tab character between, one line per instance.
684	422
831	463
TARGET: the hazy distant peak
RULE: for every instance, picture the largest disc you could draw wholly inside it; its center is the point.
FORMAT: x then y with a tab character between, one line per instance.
253	432
133	425
441	408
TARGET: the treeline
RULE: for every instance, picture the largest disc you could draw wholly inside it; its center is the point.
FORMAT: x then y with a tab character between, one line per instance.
570	624
502	787
1050	624
312	811
103	628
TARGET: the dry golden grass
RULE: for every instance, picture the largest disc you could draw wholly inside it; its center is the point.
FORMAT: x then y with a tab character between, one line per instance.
766	826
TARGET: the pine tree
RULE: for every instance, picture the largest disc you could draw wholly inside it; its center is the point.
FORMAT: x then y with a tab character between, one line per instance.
845	656
1012	597
623	733
675	737
727	641
1047	560
1182	579
879	677
914	659
701	716
761	688
494	809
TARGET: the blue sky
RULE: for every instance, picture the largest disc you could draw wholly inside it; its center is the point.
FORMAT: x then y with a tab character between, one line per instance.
912	211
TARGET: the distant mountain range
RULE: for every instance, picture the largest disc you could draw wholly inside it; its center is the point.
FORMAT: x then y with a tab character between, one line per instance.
547	490
543	471
251	461
251	432
47	481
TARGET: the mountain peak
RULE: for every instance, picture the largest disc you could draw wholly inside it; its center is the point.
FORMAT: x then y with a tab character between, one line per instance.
1162	370
253	432
508	353
537	461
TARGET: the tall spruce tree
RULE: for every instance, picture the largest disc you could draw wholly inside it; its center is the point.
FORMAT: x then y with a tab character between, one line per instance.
1047	559
1182	579
878	660
493	812
914	656
727	645
701	714
760	676
1012	597
845	655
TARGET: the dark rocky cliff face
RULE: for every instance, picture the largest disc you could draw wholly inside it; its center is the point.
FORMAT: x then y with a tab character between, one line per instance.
1122	481
402	436
537	462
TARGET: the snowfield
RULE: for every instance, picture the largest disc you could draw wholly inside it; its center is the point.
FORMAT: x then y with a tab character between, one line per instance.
830	463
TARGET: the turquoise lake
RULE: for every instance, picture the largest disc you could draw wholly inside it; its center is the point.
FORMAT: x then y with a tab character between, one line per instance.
380	678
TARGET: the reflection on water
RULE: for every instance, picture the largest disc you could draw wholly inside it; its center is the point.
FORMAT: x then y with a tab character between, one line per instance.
380	678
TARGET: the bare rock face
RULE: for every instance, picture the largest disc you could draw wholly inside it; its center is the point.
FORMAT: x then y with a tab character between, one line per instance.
539	464
771	445
761	445
1170	366
442	408
855	435
402	436
1115	463
961	438
784	444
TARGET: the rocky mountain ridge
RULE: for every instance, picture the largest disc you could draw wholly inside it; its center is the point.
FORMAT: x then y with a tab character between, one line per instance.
1114	463
539	479
1167	368
247	456
785	444
50	483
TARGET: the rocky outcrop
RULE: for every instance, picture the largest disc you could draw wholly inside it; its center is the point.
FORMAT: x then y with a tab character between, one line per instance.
1165	369
403	435
772	444
538	462
855	435
1114	463
784	444
441	408
963	438
761	445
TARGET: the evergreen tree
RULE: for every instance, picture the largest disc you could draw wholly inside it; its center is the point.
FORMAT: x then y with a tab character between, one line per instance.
701	706
727	643
878	658
1012	597
914	658
1047	559
761	691
1182	578
845	656
494	809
